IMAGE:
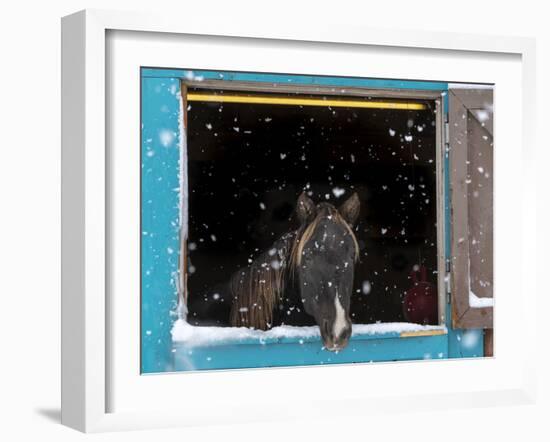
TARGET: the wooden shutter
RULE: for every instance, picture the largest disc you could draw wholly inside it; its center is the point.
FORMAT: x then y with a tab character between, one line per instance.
471	175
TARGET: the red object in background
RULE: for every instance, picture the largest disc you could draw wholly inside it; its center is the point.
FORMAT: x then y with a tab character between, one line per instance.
420	302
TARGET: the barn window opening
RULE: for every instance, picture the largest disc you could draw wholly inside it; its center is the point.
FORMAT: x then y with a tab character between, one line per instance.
250	155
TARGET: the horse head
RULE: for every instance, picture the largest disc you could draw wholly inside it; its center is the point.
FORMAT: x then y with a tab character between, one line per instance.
324	258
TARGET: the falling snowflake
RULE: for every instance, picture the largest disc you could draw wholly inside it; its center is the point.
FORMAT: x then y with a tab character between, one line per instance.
366	287
338	192
166	137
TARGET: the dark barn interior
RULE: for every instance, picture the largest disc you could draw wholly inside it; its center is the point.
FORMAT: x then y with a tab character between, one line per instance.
248	163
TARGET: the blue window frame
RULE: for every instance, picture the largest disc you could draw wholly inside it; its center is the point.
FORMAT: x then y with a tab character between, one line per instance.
161	138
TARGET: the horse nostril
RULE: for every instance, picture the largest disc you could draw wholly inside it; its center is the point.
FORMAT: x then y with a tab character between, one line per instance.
344	337
347	333
326	328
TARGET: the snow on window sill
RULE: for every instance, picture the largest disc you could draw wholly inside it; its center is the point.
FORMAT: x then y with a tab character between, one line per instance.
184	333
477	302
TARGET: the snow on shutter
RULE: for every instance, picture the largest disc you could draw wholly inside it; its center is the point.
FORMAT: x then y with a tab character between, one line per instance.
471	174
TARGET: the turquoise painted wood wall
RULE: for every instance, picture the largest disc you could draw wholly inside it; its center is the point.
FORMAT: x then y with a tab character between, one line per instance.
159	219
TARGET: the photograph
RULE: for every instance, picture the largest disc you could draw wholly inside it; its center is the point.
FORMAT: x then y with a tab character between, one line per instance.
298	220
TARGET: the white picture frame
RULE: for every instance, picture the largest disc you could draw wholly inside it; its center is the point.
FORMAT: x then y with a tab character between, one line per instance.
87	358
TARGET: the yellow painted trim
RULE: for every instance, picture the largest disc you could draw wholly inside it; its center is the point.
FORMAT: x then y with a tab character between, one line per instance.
413	334
304	101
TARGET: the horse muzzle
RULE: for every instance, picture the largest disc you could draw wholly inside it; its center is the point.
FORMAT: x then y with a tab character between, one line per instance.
332	342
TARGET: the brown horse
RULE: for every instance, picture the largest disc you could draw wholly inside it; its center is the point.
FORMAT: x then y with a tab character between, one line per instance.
305	277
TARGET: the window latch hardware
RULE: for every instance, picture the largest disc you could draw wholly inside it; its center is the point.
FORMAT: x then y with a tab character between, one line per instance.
448	280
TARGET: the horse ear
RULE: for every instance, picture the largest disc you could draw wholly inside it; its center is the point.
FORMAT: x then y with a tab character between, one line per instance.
305	208
350	209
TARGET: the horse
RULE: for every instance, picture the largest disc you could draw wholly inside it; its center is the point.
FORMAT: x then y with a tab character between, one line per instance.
305	277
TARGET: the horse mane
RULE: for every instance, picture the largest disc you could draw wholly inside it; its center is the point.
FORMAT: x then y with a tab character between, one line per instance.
257	288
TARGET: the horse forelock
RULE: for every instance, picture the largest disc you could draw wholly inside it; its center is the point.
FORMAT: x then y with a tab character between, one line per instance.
304	234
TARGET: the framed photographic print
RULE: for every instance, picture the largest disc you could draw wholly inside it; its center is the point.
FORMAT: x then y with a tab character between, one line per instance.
309	225
239	202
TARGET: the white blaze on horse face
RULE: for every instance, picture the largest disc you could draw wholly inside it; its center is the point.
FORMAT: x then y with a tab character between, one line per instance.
340	321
